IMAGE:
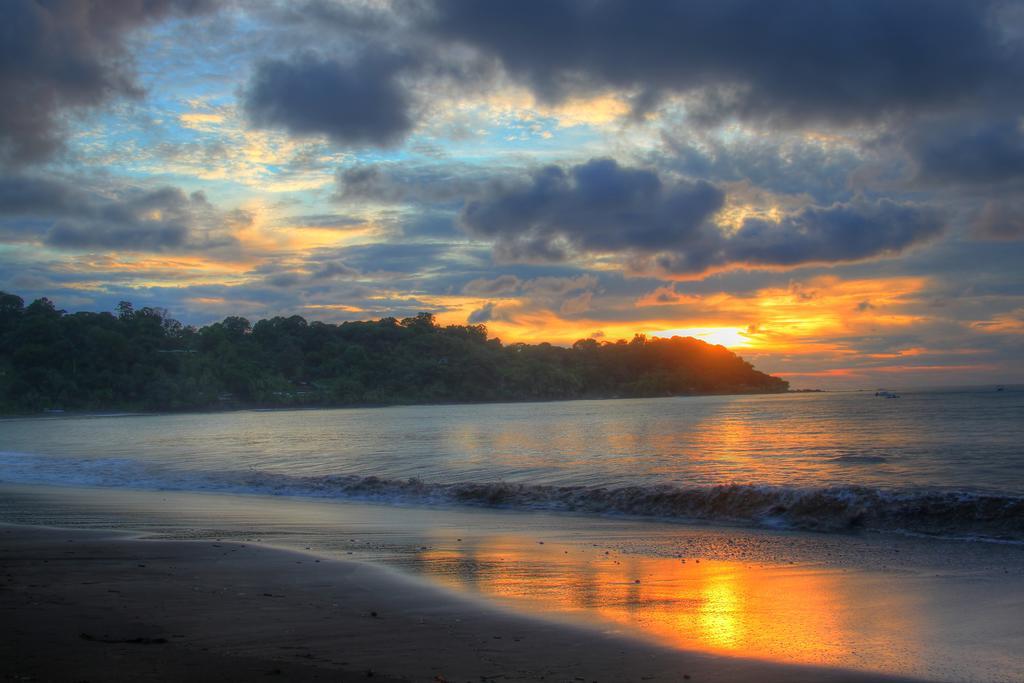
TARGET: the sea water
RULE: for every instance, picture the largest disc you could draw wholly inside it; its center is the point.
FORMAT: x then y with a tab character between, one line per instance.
840	529
940	462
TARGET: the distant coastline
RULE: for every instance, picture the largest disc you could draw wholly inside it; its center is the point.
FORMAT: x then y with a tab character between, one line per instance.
242	407
143	360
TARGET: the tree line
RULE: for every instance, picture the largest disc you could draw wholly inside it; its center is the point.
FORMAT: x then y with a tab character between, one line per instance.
142	359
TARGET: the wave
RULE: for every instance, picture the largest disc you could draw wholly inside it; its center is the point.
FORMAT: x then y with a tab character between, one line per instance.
981	516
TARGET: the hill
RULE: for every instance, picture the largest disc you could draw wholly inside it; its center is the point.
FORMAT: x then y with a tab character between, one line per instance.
144	360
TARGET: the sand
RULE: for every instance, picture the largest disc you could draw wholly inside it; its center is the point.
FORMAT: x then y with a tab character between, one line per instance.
99	606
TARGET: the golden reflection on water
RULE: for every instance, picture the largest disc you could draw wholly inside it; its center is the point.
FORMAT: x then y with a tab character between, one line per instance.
734	439
785	613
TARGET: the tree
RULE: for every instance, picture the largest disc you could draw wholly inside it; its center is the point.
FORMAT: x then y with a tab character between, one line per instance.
144	359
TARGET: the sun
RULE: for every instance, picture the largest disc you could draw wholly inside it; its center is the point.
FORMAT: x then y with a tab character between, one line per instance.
729	337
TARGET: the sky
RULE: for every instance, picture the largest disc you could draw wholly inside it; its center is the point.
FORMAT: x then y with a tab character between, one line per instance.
832	189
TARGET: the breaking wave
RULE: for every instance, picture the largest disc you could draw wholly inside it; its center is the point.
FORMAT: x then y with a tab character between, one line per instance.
980	516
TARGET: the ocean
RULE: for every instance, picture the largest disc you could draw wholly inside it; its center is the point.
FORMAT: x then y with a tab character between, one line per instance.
837	529
937	462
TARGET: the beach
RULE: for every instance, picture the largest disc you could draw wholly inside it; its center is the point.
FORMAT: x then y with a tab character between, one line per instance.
261	582
563	340
99	606
727	538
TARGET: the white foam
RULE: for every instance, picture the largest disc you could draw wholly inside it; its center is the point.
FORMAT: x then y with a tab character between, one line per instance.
958	514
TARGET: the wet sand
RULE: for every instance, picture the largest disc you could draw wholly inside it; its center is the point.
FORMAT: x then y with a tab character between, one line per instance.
98	606
922	608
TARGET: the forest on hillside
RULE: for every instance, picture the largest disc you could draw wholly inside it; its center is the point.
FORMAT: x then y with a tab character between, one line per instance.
142	359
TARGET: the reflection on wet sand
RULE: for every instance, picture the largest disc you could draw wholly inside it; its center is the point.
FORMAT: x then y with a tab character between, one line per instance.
786	613
934	610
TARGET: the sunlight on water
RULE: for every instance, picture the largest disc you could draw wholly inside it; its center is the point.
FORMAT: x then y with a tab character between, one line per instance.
931	462
962	440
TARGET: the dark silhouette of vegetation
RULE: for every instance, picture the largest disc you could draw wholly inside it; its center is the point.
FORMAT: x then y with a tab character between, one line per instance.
141	359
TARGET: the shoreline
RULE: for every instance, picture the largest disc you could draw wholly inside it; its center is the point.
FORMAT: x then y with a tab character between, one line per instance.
237	408
240	408
105	605
564	500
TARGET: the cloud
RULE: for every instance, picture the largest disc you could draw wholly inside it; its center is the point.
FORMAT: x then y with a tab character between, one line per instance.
601	207
577	304
358	102
1001	219
781	163
968	151
284	280
833	234
429	224
547	287
65	56
331	270
537	299
332	15
567	295
395	183
1011	322
67	216
325	221
319	269
598	206
788	61
410	260
665	296
503	284
482	315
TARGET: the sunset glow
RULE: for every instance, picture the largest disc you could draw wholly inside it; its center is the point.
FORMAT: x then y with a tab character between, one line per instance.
546	198
725	607
512	340
723	336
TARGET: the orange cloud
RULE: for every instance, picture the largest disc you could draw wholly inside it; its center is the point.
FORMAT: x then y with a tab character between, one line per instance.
335	307
805	318
666	296
895	369
833	372
1007	323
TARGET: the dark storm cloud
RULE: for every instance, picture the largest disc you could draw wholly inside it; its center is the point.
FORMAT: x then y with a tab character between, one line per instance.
968	151
64	215
793	60
593	207
603	207
841	232
834	234
333	15
357	102
63	55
